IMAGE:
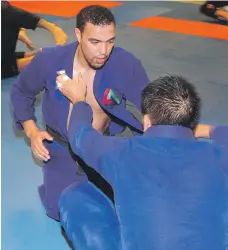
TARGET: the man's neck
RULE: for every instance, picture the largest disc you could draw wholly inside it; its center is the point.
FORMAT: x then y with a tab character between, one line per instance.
79	60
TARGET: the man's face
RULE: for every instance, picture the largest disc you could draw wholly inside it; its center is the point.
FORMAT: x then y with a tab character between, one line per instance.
96	43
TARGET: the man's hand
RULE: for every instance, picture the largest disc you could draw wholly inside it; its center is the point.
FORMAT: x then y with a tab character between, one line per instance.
74	90
38	148
202	131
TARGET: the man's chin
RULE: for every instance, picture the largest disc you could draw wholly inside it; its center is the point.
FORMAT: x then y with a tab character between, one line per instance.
97	66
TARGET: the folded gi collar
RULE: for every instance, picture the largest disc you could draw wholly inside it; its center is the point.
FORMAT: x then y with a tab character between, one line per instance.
169	131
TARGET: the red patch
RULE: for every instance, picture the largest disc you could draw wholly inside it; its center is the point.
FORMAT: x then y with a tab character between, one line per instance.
105	98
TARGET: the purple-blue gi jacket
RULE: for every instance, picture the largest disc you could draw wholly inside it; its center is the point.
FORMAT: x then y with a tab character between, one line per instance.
122	73
170	189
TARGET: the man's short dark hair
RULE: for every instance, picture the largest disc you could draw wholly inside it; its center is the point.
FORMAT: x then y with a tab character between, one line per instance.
96	15
171	100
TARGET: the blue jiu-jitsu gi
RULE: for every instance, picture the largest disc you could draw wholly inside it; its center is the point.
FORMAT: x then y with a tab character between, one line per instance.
122	73
170	189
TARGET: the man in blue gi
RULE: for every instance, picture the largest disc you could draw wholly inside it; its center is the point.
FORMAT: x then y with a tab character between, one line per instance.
170	189
113	76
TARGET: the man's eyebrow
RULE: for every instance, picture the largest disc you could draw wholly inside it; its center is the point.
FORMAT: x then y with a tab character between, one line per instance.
96	40
111	39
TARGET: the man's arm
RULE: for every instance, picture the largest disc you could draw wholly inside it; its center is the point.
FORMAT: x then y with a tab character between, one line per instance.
23	93
28	84
219	134
94	148
86	142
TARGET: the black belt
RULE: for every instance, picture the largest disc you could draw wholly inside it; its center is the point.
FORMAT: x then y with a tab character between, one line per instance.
65	143
82	168
62	140
58	137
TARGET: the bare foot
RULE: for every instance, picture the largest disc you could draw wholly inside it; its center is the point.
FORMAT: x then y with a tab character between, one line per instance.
60	36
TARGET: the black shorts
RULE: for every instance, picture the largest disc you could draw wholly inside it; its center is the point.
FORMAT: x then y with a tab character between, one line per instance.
13	19
9	65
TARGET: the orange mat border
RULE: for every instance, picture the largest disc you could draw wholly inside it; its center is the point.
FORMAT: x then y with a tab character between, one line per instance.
60	8
184	27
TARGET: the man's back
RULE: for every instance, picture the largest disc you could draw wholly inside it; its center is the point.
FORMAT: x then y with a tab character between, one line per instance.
170	194
170	189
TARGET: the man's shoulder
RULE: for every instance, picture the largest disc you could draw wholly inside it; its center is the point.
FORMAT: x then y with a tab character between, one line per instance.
120	53
57	50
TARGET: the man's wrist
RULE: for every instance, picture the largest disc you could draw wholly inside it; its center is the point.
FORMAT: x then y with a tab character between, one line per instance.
30	128
78	100
31	131
202	131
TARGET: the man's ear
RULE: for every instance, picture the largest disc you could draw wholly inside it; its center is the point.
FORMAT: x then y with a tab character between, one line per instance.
147	122
78	34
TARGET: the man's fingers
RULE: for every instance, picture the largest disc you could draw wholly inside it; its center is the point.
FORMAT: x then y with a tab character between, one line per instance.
38	148
82	83
61	72
41	149
39	152
46	136
59	85
81	78
40	157
61	79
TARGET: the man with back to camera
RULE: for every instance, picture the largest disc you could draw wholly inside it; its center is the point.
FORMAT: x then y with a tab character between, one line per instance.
170	189
113	76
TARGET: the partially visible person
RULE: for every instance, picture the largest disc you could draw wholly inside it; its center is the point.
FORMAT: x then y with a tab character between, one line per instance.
215	9
113	76
170	188
13	22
